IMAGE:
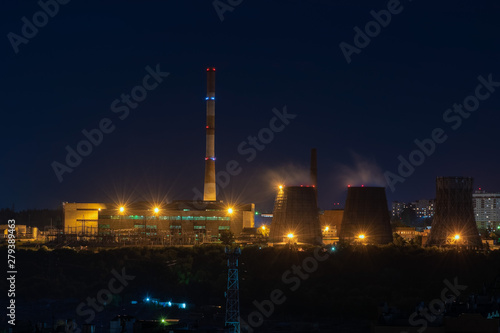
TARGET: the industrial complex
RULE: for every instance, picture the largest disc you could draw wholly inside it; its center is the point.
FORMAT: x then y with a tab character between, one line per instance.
296	218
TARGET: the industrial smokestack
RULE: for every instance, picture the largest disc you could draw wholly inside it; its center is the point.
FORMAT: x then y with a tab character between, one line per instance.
314	168
210	191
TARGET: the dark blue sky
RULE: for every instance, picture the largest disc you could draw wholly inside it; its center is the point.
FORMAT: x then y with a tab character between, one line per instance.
269	54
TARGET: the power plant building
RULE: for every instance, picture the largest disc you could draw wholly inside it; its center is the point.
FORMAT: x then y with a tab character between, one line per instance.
331	223
176	223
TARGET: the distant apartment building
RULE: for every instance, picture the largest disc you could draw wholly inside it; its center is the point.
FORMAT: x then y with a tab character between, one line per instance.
424	208
397	208
486	209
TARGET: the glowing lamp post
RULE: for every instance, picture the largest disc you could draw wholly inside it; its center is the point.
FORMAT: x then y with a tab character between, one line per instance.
457	239
361	238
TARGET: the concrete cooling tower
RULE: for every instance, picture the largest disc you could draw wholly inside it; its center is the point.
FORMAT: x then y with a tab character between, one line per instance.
454	222
366	216
295	216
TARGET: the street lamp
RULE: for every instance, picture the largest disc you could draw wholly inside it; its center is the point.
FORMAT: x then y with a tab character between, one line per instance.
122	209
264	231
361	236
229	210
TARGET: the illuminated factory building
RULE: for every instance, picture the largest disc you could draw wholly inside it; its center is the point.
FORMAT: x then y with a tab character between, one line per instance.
176	223
179	222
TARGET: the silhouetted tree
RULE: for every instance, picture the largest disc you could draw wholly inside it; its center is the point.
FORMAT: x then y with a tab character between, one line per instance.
226	237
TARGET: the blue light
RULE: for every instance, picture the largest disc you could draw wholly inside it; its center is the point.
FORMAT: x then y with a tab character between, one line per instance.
147	299
169	303
212	98
333	248
133	302
183	305
206	98
212	158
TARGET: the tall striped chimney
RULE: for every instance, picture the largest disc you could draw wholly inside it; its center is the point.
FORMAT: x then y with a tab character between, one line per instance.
210	191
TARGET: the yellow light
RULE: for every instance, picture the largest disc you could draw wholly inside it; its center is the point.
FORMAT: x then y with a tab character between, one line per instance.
361	236
263	227
122	209
457	237
326	229
281	187
156	209
230	210
290	235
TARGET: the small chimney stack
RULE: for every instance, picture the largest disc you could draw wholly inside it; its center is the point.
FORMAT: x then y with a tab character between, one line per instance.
314	168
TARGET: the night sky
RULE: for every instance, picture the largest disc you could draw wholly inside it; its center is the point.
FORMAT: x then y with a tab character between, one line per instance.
269	55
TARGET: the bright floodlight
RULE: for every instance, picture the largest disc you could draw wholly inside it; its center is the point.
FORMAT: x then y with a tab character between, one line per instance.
361	236
290	235
156	209
327	228
457	237
230	210
122	209
281	187
263	227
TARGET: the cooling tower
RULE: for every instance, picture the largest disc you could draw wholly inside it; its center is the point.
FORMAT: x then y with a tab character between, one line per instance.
296	213
366	216
454	222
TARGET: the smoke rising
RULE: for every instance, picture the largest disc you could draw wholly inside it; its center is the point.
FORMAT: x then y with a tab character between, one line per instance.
289	174
362	171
